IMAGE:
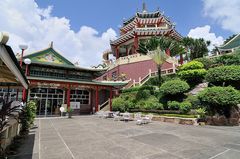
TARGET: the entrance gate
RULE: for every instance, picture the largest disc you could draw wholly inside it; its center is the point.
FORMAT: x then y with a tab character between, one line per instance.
49	100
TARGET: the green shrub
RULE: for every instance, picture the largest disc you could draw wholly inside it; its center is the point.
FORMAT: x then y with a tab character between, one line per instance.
122	105
142	94
219	99
191	65
224	76
152	103
207	62
194	101
185	107
173	105
132	89
201	112
192	72
29	114
229	59
174	87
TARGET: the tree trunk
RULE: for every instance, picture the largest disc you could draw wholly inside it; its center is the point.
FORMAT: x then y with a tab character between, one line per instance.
181	59
159	75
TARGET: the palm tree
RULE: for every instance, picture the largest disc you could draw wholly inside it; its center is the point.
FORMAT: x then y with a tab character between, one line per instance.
159	57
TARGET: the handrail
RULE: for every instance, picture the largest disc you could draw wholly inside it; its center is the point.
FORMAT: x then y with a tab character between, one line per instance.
104	104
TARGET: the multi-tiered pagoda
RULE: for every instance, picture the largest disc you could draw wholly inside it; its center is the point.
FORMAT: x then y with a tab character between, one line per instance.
129	64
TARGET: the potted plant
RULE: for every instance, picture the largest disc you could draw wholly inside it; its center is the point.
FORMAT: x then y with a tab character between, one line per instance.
201	115
70	110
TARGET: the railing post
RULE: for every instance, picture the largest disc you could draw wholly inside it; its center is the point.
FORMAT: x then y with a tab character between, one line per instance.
139	80
134	83
150	72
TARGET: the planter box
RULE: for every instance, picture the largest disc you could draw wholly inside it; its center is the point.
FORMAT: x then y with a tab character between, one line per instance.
176	120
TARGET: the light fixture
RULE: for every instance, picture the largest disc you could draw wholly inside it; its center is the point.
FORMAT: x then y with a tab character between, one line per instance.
35	97
27	61
4	38
23	47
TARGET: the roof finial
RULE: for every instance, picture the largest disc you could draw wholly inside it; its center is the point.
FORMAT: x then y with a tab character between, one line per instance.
51	44
144	9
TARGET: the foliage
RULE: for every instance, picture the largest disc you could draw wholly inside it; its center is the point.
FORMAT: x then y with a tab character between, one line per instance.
201	112
153	81
185	107
29	114
180	115
194	101
191	65
224	76
193	72
219	99
207	62
173	105
228	59
121	104
142	94
132	89
152	103
174	87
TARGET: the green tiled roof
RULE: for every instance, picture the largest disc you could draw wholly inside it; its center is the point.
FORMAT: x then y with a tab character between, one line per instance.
49	56
234	43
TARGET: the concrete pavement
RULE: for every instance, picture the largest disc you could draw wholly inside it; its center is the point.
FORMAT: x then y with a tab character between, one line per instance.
89	137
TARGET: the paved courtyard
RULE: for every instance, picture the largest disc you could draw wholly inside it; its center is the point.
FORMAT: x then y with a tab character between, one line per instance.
89	137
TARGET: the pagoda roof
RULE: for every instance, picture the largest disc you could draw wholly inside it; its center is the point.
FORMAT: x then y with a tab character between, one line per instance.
232	44
146	32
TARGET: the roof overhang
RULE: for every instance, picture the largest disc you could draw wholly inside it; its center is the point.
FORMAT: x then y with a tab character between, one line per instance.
11	73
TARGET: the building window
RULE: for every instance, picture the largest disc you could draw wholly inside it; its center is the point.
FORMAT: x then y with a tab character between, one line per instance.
82	96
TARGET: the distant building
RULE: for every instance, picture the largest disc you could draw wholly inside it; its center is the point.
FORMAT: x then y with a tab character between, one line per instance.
231	45
129	64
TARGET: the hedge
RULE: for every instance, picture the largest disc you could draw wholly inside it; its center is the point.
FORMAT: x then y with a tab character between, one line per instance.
174	87
228	75
219	99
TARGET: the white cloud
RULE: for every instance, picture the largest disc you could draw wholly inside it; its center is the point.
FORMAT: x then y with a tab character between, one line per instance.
204	32
225	12
27	23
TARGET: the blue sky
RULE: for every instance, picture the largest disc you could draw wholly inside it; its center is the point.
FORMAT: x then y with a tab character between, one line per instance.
103	14
82	29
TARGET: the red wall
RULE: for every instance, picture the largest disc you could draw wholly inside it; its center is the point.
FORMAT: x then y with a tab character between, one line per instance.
135	70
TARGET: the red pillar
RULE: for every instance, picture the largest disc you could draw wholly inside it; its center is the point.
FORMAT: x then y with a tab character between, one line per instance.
168	52
135	43
181	59
68	96
110	100
96	105
24	95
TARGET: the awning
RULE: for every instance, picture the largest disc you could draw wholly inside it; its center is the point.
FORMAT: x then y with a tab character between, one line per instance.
10	72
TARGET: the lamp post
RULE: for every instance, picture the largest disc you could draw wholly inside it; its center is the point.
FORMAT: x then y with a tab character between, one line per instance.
27	63
22	47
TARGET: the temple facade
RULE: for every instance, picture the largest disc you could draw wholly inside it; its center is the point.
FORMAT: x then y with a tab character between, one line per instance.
54	82
129	64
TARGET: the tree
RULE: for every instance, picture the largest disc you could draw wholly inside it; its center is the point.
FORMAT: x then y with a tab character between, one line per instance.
198	47
159	57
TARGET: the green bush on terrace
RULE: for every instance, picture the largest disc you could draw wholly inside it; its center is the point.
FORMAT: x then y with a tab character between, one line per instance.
224	76
174	87
219	100
193	72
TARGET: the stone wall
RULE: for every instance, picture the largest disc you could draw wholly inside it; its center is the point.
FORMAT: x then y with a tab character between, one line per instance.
9	132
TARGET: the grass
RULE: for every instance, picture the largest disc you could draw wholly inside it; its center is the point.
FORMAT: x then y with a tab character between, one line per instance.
180	115
173	115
